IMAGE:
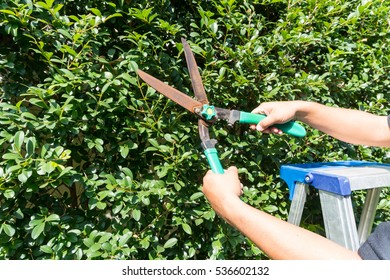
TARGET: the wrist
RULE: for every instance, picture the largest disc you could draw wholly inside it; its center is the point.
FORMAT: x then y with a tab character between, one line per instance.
303	109
230	206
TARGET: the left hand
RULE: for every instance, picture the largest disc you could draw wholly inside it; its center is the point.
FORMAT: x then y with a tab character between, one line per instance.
221	189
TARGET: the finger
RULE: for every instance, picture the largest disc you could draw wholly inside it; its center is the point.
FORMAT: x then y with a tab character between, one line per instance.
267	131
272	130
232	169
259	127
276	130
258	110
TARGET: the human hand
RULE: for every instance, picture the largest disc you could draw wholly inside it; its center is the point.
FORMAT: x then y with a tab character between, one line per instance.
222	189
277	113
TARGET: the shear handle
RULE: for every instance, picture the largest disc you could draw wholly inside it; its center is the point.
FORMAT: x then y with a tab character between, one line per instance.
208	146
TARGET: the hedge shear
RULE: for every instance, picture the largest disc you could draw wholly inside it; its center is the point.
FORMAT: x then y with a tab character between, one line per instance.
207	113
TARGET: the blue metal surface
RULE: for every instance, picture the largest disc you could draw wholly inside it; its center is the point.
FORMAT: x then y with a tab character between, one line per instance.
310	173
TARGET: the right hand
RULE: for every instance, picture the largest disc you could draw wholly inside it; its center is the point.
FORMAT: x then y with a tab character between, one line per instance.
277	113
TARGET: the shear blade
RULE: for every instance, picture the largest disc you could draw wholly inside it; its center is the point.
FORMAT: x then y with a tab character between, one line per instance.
196	79
180	98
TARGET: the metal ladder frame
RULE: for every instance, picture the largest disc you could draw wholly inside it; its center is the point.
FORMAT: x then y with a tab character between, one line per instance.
335	196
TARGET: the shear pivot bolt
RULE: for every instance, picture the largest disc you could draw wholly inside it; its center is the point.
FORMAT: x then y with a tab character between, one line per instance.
208	112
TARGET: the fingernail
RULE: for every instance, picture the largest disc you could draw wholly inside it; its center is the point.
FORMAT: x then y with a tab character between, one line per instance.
259	127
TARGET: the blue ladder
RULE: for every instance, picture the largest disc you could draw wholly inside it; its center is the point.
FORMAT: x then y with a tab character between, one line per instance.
335	182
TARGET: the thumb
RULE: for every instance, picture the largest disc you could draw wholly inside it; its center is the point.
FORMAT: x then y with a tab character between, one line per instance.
267	121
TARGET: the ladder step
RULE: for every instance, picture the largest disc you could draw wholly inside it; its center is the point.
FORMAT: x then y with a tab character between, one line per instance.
335	181
341	177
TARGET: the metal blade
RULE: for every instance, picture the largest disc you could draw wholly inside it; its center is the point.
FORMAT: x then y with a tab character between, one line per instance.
196	80
180	98
231	116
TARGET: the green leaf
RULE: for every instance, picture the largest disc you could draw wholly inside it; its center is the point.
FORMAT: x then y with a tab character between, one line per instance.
46	249
132	80
101	205
105	87
117	208
96	12
30	145
154	142
65	33
36	221
112	16
73	53
127	171
196	195
49	3
88	242
108	75
53	218
49	167
270	208
95	247
8	229
43	5
13	168
111	179
187	228
124	238
19	214
19	138
22	177
124	150
145	243
37	230
44	150
170	243
8	12
105	237
68	73
136	214
57	8
9	193
11	156
214	27
28	115
191	252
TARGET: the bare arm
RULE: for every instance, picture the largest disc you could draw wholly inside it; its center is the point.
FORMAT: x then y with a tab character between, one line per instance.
352	126
277	238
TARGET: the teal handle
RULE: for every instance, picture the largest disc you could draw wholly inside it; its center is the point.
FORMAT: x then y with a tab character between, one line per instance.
290	127
213	159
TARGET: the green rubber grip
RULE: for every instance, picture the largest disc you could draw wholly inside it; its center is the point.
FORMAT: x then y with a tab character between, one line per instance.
214	162
290	127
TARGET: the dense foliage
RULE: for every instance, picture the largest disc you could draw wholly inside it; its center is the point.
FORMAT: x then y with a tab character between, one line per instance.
96	165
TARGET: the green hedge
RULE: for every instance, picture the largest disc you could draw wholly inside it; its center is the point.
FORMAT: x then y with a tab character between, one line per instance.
96	165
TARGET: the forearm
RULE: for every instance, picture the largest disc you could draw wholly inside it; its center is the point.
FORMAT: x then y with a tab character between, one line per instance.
279	239
352	126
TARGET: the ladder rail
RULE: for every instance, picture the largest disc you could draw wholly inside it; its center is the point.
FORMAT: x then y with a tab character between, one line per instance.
368	214
339	219
335	183
298	203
